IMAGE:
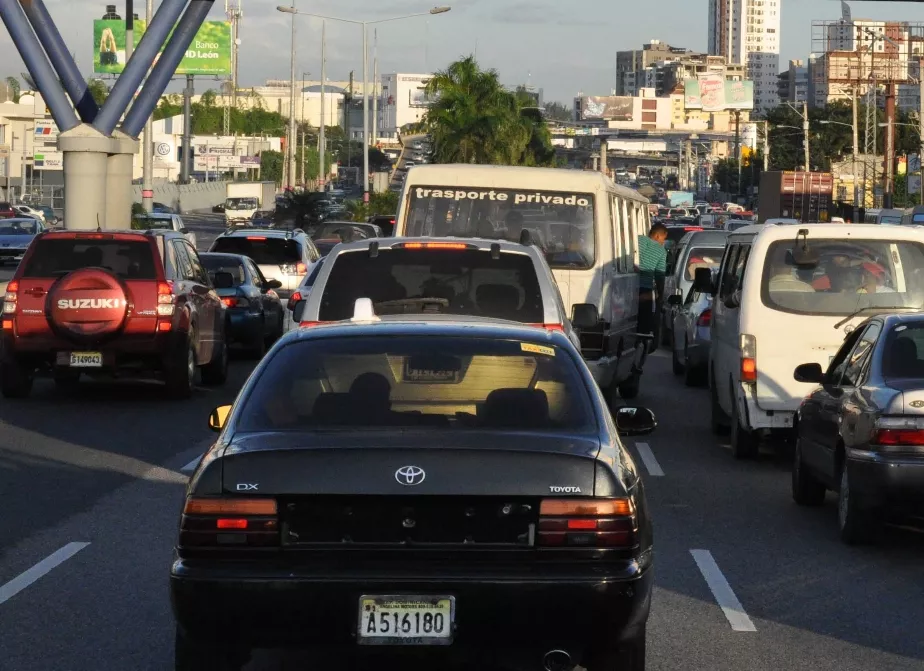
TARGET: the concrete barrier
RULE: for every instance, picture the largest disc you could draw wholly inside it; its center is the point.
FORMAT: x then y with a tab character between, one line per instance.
186	197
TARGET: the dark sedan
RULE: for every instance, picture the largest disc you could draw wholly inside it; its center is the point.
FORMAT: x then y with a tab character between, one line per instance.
330	234
861	433
256	317
443	489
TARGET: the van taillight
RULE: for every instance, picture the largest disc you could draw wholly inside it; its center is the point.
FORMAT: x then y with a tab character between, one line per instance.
587	523
705	318
748	346
10	298
217	522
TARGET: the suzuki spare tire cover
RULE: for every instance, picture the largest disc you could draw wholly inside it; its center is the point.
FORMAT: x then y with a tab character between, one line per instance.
87	305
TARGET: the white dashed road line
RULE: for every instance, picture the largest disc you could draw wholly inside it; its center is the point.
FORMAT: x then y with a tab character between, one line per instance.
49	563
648	458
722	591
191	466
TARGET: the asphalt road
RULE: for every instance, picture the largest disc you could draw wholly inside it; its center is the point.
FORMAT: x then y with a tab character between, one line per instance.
91	487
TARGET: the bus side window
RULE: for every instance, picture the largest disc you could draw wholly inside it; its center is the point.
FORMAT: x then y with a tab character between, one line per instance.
726	274
632	233
619	238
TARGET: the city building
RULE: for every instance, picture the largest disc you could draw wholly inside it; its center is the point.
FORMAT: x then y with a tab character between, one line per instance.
631	66
793	84
748	32
403	101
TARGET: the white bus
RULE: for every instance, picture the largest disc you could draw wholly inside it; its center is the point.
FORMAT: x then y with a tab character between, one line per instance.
587	226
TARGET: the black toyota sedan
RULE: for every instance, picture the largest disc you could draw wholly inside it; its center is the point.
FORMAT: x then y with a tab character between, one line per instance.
861	433
447	490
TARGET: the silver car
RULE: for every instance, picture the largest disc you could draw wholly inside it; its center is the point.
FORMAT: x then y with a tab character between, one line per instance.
489	279
163	222
690	335
696	249
16	235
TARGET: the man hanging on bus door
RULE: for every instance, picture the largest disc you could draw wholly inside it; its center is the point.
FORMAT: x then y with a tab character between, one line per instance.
652	268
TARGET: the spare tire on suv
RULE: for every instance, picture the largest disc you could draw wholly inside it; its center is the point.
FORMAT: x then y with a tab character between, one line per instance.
88	306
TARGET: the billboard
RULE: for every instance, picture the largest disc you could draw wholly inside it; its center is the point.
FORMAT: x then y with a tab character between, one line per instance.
616	108
713	93
48	160
208	54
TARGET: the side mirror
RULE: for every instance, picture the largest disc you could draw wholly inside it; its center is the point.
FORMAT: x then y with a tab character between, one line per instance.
675	299
272	284
184	230
584	316
810	373
218	418
733	300
223	280
635	421
702	281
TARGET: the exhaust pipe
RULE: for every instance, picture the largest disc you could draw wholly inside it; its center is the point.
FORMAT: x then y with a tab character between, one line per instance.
557	660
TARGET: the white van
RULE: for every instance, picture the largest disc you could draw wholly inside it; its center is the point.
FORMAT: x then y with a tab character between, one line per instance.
787	295
587	226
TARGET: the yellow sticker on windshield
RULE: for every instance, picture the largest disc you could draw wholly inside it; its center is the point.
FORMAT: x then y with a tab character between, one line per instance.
537	349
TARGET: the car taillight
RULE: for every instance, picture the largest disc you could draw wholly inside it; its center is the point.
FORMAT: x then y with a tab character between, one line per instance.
748	346
895	437
211	522
235	302
300	269
10	298
165	299
549	327
296	297
600	523
705	317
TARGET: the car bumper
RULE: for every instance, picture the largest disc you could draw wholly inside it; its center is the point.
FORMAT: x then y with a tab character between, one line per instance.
893	481
244	326
282	607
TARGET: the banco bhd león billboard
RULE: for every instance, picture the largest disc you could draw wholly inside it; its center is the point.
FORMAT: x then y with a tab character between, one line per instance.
208	54
713	93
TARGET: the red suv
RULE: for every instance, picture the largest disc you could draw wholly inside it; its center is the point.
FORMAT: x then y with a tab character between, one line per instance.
7	211
114	303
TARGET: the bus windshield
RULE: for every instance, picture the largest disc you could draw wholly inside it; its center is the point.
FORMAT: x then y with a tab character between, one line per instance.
560	223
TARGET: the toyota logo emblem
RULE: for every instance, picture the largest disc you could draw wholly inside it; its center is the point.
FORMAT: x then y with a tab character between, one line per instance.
410	475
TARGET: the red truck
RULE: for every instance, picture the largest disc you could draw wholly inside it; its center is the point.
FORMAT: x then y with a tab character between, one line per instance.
806	196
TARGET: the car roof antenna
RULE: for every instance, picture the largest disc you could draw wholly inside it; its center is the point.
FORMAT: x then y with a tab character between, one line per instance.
99	228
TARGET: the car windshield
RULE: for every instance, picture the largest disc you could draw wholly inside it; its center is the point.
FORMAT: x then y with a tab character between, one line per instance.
890	220
142	223
224	264
903	353
265	251
702	257
8	227
241	204
425	382
127	259
414	281
561	223
850	275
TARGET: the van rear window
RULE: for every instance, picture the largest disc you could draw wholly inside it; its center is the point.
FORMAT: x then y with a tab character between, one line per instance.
417	281
127	259
850	275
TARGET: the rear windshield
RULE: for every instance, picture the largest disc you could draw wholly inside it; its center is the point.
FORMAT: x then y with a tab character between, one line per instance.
8	227
702	257
343	232
850	275
127	259
903	353
241	204
264	251
218	264
412	281
421	382
152	223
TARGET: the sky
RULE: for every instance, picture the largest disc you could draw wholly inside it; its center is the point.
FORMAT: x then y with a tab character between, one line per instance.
566	48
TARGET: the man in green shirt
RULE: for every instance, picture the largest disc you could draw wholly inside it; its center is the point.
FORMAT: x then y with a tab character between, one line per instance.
652	267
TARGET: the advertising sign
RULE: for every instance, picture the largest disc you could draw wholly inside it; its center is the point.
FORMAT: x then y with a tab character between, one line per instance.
208	54
616	108
713	93
51	160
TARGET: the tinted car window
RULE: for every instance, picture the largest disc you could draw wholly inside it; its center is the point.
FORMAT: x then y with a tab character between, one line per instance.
124	258
464	282
702	257
217	264
442	383
263	250
19	227
903	353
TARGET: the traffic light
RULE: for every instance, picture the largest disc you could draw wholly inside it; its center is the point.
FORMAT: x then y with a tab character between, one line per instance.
746	153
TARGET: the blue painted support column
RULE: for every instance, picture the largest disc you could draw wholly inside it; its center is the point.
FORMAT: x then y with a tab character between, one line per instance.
166	67
61	59
35	59
137	66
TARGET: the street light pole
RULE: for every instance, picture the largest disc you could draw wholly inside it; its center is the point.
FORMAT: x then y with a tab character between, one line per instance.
322	142
365	118
147	155
856	150
291	146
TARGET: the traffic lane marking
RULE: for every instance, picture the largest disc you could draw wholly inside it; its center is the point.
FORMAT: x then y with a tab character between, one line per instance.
722	591
31	575
191	466
648	458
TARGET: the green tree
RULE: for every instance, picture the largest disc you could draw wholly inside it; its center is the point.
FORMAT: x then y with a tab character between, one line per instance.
271	166
556	111
15	88
473	119
98	90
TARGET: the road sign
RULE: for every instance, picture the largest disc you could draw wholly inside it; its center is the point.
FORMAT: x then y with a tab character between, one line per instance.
4	151
49	161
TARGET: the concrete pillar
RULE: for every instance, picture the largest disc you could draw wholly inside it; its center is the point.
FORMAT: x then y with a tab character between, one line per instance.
86	157
119	181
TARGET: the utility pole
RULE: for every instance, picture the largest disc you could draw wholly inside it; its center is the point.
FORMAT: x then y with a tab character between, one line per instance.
186	165
738	147
889	186
603	154
292	139
322	141
766	146
365	117
856	150
375	88
921	122
147	150
688	163
129	29
805	135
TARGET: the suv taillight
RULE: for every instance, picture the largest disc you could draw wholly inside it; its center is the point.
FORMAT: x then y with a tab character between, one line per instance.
705	317
593	523
227	521
166	305
549	327
10	298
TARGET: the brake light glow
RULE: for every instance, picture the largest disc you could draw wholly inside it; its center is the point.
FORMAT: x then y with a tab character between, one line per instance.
235	302
705	318
296	297
549	327
165	299
256	237
692	228
596	523
434	245
896	437
248	522
93	236
301	268
7	324
748	346
308	324
10	298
